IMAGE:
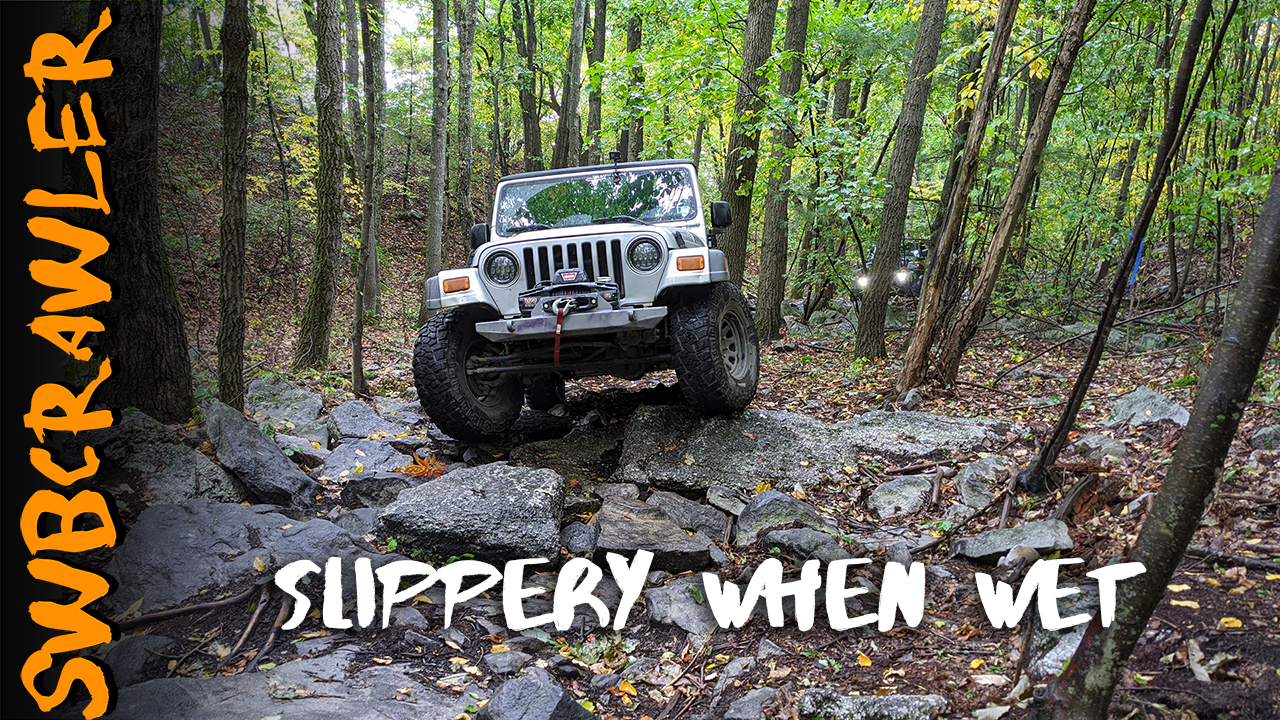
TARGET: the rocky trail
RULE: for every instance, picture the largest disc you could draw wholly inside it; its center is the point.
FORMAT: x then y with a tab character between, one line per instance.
215	508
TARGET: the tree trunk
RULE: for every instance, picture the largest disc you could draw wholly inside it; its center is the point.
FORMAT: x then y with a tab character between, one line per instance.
893	219
568	146
312	350
522	21
145	337
235	129
439	148
466	149
913	365
1171	138
1084	690
635	131
966	325
773	242
203	15
372	179
355	116
596	97
744	139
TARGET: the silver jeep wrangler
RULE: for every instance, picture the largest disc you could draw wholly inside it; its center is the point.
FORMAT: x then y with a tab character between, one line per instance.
604	270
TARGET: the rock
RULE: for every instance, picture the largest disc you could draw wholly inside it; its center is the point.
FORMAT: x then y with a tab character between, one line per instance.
358	522
626	526
677	603
256	460
771	508
580	505
602	682
1049	650
898	552
584	454
374	489
579	538
360	456
617	490
676	448
535	696
454	635
691	515
155	457
1096	447
729	672
289	408
1044	536
767	649
751	705
496	512
408	617
1146	342
302	688
399	412
910	400
730	500
1267	438
174	551
301	451
831	705
355	419
878	540
1016	561
128	657
1145	406
975	481
805	543
900	496
506	663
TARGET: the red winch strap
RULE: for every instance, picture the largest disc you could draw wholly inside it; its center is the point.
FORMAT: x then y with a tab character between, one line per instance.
559	322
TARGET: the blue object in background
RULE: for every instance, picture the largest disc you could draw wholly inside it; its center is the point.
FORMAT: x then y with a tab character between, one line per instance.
1137	261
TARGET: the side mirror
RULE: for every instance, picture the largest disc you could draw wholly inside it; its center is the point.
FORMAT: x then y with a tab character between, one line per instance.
721	217
479	235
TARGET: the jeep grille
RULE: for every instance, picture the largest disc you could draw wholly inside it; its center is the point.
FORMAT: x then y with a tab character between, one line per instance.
594	257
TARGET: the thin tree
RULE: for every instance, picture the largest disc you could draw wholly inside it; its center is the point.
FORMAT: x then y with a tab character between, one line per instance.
913	365
312	350
744	138
231	232
971	314
595	98
1085	688
777	203
893	219
466	12
522	22
633	145
351	66
1170	140
439	149
372	179
144	337
568	144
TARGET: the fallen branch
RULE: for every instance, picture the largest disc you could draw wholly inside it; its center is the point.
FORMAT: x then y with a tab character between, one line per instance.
175	612
1204	553
253	622
957	527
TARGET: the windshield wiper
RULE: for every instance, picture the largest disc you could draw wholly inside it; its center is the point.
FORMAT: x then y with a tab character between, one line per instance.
619	219
526	228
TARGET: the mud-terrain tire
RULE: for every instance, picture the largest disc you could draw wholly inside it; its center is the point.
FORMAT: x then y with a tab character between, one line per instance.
714	350
544	392
462	406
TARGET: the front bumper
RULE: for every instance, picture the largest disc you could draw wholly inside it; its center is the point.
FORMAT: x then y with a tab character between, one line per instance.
596	322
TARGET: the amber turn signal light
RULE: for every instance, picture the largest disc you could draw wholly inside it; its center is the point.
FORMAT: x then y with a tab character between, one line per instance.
458	284
691	262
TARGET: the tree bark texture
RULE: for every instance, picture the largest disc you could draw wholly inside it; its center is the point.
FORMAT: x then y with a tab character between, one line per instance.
740	157
231	231
913	365
893	220
439	147
522	22
966	325
355	117
635	130
312	350
595	99
777	203
466	10
568	145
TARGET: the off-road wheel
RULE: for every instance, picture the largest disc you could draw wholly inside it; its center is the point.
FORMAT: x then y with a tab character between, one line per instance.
715	350
465	406
544	392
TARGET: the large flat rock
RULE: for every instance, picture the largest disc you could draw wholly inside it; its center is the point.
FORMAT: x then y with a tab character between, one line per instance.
289	408
831	705
1044	535
676	447
626	526
256	460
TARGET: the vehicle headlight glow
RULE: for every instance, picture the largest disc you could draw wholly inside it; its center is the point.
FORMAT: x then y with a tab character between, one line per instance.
501	269
644	255
863	281
901	276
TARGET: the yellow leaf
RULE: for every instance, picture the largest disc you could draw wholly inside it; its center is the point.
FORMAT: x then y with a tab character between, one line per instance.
1185	603
763	486
1273	576
259	564
863	660
627	688
382	660
1179	588
359	468
315	444
977	664
1213	581
286	526
1229	623
498	648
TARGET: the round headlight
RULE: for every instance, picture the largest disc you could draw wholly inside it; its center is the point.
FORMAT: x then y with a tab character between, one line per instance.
902	276
644	255
863	281
501	269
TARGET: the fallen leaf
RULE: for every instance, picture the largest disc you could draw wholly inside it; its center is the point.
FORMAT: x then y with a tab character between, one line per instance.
1179	588
259	564
1229	623
863	660
1185	603
627	688
382	660
996	680
994	712
976	664
1195	658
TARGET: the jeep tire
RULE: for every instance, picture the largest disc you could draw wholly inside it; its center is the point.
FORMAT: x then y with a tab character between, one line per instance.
714	349
544	392
464	406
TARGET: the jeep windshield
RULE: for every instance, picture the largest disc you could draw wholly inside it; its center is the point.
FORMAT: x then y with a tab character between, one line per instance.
640	195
